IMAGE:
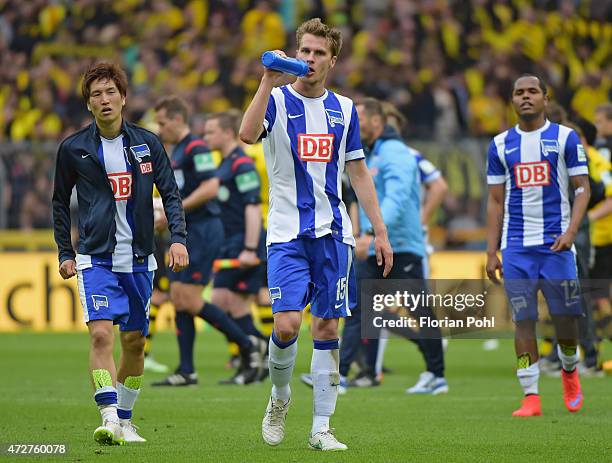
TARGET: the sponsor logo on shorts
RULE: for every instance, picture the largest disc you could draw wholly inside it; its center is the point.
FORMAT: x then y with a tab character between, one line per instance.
99	301
532	174
518	303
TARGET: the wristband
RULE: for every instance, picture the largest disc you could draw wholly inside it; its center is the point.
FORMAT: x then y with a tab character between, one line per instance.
249	248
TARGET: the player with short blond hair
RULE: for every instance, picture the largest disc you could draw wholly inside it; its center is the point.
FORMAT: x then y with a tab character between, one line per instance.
310	135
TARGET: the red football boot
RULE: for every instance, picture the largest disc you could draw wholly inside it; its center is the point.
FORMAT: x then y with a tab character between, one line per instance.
572	392
531	406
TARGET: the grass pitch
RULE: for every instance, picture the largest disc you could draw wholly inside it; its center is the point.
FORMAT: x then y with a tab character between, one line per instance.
46	398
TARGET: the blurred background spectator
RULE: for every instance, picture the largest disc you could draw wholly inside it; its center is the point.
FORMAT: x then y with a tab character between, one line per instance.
448	65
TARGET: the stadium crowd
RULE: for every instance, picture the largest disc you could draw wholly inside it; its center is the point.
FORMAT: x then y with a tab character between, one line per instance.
448	65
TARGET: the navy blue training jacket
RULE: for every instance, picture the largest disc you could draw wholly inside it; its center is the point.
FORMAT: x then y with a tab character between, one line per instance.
78	164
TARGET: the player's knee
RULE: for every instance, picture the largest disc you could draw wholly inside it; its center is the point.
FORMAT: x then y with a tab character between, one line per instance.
326	332
191	301
101	340
285	330
133	342
176	297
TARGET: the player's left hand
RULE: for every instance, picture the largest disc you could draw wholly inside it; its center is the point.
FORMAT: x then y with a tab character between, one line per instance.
384	253
563	242
362	245
494	266
248	259
179	258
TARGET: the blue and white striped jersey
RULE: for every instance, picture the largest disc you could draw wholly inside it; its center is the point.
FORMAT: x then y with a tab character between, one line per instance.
535	168
307	142
112	157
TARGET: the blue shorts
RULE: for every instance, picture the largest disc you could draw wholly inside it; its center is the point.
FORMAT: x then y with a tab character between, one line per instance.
204	240
318	271
123	298
527	270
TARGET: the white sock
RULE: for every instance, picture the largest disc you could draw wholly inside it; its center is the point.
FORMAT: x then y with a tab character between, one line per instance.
528	377
106	398
126	398
325	380
109	412
281	362
569	362
380	355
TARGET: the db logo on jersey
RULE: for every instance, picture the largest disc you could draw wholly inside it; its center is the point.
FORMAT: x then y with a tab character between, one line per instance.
122	185
146	168
532	174
316	147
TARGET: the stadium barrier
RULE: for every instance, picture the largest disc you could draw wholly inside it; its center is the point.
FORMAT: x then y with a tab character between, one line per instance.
34	297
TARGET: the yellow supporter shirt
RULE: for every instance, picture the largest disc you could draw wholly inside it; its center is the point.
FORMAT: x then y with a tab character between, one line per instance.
600	170
256	152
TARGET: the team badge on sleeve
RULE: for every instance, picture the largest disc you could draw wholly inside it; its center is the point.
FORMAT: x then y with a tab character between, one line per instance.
581	153
204	162
247	181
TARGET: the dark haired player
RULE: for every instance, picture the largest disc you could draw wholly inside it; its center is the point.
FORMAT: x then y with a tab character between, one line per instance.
114	165
530	170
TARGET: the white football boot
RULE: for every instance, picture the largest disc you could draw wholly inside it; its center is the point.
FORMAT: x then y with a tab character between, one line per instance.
326	441
273	424
109	433
150	364
429	384
130	432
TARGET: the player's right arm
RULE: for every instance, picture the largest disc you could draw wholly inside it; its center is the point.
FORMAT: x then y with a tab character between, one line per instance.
173	207
252	124
435	186
495	219
436	191
361	179
65	179
496	178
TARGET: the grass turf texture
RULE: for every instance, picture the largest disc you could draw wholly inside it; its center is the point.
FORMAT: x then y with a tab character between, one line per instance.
46	398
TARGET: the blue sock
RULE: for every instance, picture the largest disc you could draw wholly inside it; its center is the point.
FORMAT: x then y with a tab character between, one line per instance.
106	396
247	326
185	334
217	318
